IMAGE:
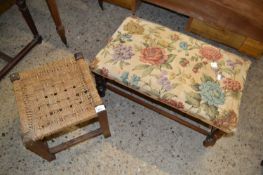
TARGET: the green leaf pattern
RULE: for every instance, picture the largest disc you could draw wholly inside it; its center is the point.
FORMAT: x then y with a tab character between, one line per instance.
175	68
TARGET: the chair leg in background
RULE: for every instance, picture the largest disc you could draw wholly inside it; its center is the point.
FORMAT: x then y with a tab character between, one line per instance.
52	6
36	40
101	4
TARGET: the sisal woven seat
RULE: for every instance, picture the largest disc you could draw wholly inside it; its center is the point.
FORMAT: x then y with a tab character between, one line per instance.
54	97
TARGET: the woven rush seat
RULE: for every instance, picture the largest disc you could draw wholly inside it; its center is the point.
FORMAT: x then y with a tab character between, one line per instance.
54	97
187	74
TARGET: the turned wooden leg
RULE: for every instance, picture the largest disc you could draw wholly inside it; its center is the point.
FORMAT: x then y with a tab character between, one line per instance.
28	18
101	4
134	6
213	137
36	40
40	148
52	5
100	85
104	124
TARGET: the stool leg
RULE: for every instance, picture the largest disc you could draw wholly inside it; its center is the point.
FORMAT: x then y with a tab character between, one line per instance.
40	148
213	137
100	85
52	6
101	4
104	125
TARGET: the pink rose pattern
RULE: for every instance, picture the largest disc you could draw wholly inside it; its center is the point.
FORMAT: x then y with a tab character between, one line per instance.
210	53
228	121
104	72
153	55
231	85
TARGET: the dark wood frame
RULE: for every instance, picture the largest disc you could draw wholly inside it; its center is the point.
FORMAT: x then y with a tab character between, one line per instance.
41	148
135	4
52	6
230	20
36	40
212	136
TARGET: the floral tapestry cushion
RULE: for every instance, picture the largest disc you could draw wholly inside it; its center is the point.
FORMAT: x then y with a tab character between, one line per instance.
180	71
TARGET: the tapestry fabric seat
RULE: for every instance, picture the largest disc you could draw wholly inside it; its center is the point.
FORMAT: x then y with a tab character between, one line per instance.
176	69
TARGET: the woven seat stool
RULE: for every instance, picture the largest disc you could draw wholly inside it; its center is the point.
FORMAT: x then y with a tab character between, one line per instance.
54	97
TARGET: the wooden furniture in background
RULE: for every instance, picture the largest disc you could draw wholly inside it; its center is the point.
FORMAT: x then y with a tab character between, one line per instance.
235	16
5	5
240	16
11	62
240	42
52	5
128	4
53	98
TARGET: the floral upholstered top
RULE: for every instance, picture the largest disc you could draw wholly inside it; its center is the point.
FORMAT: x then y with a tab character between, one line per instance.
180	71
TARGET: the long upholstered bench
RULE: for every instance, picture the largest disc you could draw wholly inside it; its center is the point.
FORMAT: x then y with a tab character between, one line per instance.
186	75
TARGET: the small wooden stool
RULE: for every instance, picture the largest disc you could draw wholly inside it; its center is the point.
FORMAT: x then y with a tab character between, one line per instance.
54	97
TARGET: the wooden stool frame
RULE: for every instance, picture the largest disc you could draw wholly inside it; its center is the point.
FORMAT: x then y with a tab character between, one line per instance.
41	148
211	136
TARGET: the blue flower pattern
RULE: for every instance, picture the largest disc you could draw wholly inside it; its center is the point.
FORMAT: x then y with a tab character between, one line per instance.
134	79
212	94
124	77
183	45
